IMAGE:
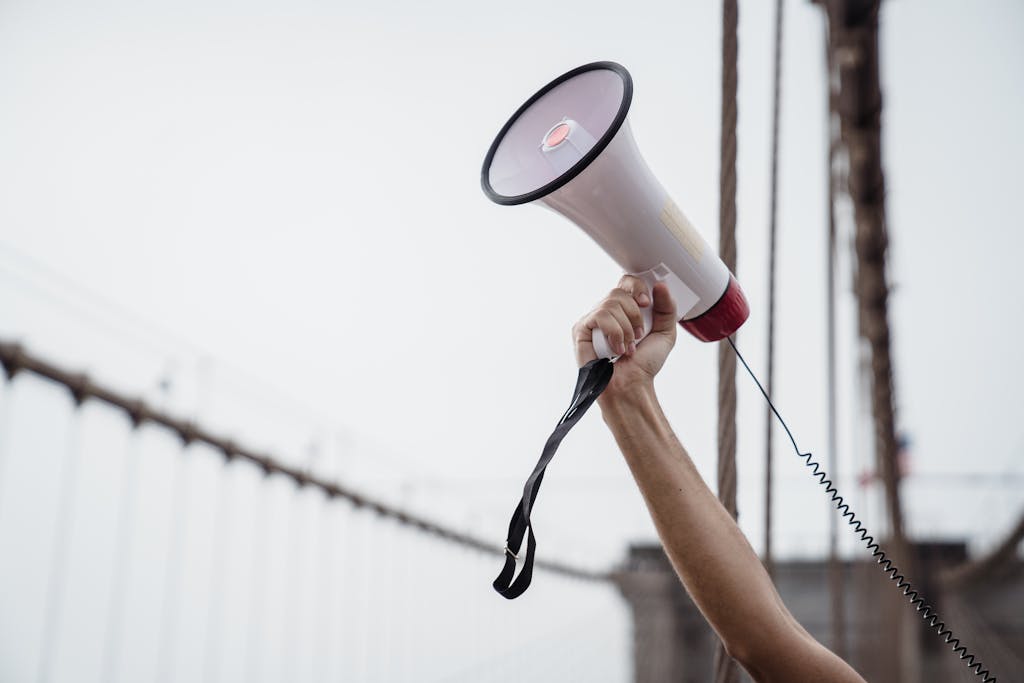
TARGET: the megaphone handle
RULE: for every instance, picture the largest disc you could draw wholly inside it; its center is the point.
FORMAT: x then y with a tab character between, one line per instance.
601	346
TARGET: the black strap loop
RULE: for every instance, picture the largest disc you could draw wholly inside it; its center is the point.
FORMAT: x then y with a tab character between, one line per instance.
591	381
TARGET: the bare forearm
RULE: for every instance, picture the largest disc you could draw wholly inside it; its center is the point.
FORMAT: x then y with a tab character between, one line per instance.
707	549
720	570
709	552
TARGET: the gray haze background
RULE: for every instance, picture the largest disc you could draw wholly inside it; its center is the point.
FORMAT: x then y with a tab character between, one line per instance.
272	210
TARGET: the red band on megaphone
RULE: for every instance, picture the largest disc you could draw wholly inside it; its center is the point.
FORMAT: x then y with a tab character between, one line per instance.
722	319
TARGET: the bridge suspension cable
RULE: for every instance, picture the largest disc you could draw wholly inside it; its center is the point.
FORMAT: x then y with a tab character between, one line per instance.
15	359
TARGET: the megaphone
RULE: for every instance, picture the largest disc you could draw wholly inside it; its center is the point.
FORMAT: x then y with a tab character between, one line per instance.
570	148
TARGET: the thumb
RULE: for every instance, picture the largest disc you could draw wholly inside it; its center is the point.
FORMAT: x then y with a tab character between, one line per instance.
663	318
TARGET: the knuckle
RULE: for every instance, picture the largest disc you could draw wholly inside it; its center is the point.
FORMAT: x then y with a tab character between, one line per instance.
623	293
608	324
633	285
628	282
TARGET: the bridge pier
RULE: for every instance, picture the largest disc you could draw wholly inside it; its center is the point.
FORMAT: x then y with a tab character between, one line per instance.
673	644
671	640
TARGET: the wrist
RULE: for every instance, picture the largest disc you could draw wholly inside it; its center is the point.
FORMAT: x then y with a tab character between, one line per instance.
634	417
627	399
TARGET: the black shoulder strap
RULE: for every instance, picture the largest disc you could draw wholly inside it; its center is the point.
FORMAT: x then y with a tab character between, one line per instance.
591	381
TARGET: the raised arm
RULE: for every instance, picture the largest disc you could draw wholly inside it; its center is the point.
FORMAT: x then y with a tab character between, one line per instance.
710	554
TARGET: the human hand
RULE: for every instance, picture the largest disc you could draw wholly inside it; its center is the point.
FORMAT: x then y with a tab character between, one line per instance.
618	317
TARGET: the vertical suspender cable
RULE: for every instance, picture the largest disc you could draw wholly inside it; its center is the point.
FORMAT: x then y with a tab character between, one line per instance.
294	585
121	568
54	599
388	548
215	605
252	663
6	401
325	582
727	248
363	608
726	670
173	567
346	580
407	580
835	571
772	219
333	655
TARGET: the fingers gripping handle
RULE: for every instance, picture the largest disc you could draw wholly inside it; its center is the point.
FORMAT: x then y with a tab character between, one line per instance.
601	346
604	350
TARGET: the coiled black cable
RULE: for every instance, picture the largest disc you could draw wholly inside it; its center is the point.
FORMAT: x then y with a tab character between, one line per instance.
925	610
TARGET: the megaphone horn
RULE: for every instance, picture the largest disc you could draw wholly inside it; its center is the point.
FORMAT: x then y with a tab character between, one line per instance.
570	148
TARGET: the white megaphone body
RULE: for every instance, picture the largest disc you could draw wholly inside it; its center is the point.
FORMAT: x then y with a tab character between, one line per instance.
570	148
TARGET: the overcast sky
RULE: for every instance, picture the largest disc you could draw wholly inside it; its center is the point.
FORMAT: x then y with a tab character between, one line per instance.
277	206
